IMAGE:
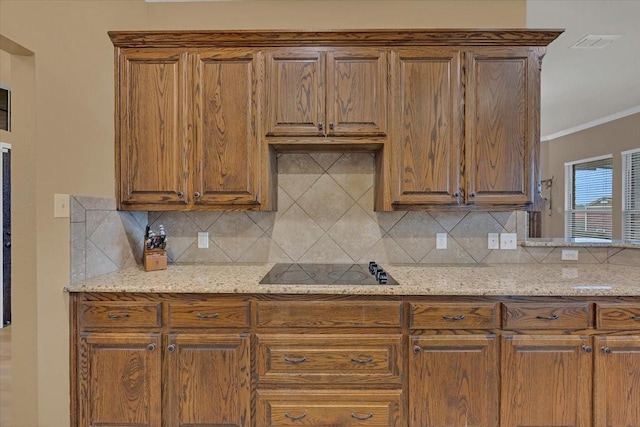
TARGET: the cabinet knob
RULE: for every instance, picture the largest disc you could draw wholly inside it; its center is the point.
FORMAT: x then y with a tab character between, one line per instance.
196	194
171	348
587	348
180	194
472	194
606	350
331	125
151	347
416	349
320	126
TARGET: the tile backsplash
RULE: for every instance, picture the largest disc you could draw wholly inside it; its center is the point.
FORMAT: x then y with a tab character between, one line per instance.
325	214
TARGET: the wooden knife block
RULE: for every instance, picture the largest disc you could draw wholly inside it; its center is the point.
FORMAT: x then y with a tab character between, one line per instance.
154	259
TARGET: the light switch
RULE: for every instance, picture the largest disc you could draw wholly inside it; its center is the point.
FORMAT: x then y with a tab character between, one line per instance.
493	241
203	240
61	205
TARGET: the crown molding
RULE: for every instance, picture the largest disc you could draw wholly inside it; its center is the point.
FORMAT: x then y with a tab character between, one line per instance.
592	123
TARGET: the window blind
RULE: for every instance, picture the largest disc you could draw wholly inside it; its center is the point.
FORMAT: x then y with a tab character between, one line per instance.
631	195
589	199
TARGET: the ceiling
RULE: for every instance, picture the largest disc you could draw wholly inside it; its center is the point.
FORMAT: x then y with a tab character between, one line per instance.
586	87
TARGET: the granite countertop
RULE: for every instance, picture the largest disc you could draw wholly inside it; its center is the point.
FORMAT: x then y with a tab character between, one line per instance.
582	243
458	279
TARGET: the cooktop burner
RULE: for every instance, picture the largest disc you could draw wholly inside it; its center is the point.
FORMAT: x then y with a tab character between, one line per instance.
327	274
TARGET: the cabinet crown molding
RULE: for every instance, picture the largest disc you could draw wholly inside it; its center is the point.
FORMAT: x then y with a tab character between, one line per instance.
378	37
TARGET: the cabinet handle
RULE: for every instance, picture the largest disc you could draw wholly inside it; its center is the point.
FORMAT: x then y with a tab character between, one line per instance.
361	417
362	361
151	347
119	316
196	195
554	317
587	348
331	126
635	317
295	361
171	348
416	349
472	194
453	318
295	417
606	350
320	126
207	316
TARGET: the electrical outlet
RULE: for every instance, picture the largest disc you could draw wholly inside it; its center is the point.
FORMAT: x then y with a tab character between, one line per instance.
569	254
203	240
61	206
441	240
508	241
493	241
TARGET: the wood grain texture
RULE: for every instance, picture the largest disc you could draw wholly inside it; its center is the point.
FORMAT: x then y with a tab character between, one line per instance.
563	316
381	37
453	316
208	380
208	315
107	314
329	408
371	359
616	380
545	381
618	316
453	380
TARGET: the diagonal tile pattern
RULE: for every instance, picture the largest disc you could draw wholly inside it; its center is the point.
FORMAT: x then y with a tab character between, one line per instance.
325	214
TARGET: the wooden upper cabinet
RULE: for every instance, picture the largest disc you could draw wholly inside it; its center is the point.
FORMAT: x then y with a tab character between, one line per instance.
225	125
502	126
335	92
151	130
427	126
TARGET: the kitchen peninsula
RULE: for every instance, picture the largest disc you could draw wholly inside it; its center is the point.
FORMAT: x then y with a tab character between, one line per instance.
449	345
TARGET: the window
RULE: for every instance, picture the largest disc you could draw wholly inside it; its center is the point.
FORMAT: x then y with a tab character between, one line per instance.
631	194
5	108
588	199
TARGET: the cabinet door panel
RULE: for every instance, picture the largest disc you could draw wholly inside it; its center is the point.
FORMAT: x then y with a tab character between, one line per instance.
296	93
120	379
453	381
427	134
501	125
617	381
546	381
208	380
151	134
227	158
357	92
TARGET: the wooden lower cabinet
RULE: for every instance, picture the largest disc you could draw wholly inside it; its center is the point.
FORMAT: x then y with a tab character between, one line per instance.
120	379
453	381
344	408
546	381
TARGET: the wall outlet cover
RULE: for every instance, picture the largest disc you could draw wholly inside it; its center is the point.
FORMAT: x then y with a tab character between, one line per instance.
441	240
60	205
508	241
570	255
493	241
203	240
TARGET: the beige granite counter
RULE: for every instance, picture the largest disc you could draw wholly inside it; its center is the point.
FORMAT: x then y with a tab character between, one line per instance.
460	279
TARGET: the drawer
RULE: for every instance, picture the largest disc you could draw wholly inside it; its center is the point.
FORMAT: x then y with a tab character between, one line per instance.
453	315
568	315
109	314
209	314
332	359
329	314
618	316
343	408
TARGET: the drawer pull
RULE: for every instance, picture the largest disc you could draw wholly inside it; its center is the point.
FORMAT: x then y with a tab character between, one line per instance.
606	350
295	417
362	361
171	348
454	318
635	317
119	316
361	417
207	316
554	317
416	349
295	361
151	347
587	349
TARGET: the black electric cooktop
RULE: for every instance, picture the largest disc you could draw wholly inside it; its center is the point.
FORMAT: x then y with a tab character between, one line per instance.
327	274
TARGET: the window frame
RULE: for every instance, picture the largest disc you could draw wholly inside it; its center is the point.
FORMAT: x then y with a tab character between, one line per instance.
628	230
8	89
569	198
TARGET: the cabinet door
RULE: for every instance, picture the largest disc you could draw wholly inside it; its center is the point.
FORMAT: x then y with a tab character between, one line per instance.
208	380
502	125
225	112
150	128
617	381
296	96
119	379
356	92
546	381
427	138
453	381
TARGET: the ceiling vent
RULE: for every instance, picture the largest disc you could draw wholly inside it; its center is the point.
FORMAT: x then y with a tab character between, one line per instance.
593	41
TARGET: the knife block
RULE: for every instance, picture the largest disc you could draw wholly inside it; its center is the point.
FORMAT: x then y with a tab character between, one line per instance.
154	259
